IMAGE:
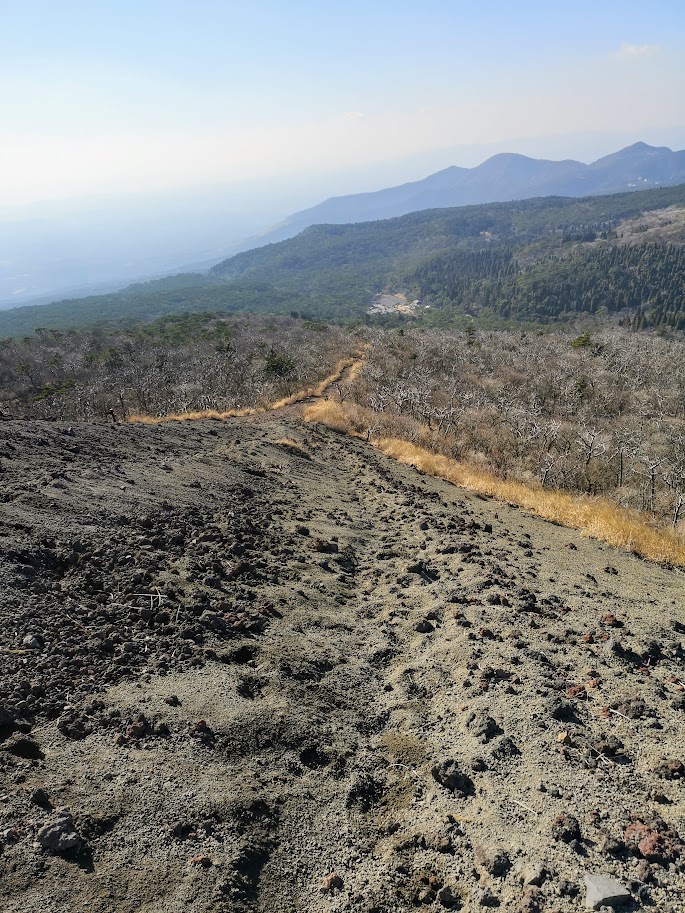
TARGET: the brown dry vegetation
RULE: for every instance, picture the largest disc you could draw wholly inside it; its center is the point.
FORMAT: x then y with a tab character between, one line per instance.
354	364
194	366
598	518
602	415
588	432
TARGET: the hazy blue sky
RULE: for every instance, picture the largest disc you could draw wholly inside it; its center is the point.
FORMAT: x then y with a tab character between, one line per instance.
100	97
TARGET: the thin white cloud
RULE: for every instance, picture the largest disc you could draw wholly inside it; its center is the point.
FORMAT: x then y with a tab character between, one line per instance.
635	51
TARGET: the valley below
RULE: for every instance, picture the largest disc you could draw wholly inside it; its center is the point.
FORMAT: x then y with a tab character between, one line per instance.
255	665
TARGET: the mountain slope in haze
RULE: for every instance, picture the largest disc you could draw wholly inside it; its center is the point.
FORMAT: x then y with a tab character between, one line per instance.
506	176
334	271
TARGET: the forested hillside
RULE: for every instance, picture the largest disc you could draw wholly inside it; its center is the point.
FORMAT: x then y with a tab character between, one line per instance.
646	280
537	261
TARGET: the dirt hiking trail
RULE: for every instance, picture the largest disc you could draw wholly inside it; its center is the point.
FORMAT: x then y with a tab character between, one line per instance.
258	666
344	373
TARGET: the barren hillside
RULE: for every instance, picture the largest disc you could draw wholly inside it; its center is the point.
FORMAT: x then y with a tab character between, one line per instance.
255	665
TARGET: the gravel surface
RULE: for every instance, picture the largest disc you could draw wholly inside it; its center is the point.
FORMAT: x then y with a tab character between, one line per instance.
256	666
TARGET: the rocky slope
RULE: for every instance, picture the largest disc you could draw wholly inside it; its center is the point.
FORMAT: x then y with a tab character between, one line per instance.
256	666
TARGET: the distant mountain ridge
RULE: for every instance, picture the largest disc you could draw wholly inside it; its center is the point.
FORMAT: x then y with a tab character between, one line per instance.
501	178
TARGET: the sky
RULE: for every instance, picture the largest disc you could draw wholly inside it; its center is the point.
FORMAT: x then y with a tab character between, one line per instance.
138	96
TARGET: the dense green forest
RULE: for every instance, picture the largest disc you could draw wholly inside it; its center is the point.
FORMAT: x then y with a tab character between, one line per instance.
535	261
648	280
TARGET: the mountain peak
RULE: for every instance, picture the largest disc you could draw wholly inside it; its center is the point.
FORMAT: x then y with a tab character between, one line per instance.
645	147
502	177
637	150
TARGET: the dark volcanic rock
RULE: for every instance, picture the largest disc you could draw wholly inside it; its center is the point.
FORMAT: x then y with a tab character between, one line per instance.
59	834
566	828
448	774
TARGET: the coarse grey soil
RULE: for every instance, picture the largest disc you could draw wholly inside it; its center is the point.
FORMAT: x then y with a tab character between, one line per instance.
243	675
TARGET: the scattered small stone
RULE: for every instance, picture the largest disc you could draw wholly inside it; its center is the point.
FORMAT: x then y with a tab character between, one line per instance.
323	546
446	897
59	834
608	746
448	774
614	647
649	651
138	729
562	710
332	882
634	707
567	888
654	841
444	845
604	890
481	725
423	626
495	862
531	901
611	847
487	898
40	798
534	874
566	828
202	732
74	725
670	769
506	749
610	620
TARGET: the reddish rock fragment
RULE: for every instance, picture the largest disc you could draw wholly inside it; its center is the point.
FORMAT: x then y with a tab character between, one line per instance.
332	882
654	841
610	620
671	769
659	848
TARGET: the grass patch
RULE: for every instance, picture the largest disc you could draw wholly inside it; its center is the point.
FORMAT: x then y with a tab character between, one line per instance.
194	416
597	518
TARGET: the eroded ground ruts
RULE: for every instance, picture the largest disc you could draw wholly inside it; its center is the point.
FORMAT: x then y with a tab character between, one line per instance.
266	668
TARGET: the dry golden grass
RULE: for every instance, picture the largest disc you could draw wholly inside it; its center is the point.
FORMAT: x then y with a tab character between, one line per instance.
335	415
291	444
595	517
350	365
139	419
